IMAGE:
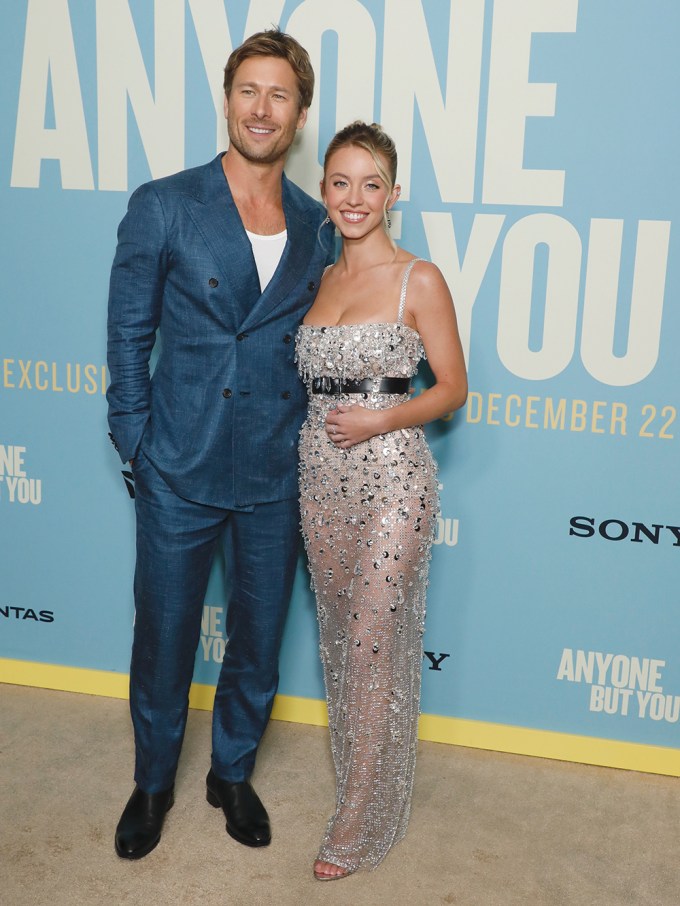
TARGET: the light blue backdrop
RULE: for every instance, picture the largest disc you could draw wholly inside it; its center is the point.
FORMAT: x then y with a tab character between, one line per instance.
518	190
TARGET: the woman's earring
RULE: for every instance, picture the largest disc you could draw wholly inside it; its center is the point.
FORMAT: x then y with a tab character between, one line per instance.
388	219
327	220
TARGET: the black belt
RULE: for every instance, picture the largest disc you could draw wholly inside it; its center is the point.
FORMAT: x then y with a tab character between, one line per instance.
333	386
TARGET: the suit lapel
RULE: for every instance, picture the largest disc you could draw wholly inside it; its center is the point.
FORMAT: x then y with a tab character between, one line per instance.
219	223
294	261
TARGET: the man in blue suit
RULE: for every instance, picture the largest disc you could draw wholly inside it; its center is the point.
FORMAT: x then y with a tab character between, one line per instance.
223	260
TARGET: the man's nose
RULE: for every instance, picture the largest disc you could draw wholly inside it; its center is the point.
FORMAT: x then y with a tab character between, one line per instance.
262	107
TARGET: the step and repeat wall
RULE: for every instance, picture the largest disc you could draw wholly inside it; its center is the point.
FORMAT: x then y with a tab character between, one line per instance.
538	147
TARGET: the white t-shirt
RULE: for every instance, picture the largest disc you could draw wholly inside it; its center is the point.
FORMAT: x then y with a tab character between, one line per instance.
267	251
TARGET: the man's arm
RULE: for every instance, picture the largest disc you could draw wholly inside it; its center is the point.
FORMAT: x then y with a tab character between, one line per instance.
135	297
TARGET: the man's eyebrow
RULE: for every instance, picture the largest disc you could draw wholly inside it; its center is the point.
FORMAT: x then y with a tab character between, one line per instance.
252	84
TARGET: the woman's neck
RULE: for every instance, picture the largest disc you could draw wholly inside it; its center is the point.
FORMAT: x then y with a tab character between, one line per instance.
361	254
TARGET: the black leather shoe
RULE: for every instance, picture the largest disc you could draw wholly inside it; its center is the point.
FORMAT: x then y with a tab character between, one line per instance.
141	823
247	818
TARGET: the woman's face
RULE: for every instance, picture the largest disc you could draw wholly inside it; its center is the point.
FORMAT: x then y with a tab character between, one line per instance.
354	193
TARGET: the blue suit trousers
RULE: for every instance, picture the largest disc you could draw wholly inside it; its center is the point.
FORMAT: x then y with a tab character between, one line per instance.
176	544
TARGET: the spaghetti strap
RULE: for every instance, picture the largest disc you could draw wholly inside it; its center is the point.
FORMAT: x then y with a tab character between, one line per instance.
404	284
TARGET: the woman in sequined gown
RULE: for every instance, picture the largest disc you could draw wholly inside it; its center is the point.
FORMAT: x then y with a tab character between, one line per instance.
369	492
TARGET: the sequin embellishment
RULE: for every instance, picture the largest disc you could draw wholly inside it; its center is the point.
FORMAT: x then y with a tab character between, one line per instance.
368	517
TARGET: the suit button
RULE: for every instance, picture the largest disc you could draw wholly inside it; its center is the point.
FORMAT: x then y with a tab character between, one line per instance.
311	285
213	282
241	336
287	338
285	395
226	393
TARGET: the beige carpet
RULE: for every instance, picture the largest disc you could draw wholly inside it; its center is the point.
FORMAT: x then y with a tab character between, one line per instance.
486	830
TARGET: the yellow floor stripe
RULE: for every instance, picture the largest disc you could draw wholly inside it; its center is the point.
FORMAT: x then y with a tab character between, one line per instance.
474	734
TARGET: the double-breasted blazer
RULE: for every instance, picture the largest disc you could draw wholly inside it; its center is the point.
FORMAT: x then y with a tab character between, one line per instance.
220	415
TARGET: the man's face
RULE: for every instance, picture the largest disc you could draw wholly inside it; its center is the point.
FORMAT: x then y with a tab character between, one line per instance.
262	109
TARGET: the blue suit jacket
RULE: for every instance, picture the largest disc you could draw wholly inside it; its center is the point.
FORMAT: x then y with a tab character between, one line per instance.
220	417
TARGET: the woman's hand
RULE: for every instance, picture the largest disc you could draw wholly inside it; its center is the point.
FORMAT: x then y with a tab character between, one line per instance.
350	425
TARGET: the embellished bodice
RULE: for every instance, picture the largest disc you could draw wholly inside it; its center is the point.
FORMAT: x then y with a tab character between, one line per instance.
358	351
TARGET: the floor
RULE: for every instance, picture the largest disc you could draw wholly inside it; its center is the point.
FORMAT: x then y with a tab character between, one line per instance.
487	829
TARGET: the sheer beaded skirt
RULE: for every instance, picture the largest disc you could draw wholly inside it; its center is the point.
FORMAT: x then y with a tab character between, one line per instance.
368	516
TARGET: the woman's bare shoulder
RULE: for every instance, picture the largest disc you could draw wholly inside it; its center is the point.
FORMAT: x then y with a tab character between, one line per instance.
425	275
